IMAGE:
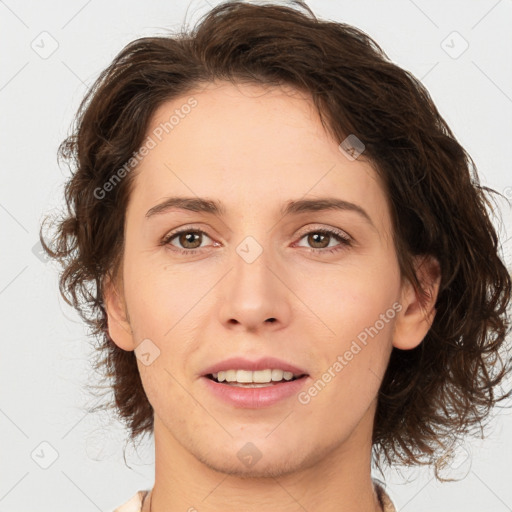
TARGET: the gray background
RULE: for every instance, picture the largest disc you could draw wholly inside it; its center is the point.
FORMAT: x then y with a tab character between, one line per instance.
51	53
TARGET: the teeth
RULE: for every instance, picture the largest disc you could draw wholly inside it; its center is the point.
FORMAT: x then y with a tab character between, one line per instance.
248	377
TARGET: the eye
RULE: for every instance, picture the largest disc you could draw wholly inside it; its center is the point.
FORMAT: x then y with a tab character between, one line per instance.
189	239
320	239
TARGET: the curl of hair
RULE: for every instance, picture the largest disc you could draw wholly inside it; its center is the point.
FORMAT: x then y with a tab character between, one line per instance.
446	386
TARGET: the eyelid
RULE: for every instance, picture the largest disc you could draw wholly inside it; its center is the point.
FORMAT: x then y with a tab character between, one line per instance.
345	240
186	228
330	229
304	231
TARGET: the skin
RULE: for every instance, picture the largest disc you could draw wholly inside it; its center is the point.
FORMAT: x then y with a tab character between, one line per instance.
255	149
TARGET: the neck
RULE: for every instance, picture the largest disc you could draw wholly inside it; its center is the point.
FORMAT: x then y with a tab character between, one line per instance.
338	481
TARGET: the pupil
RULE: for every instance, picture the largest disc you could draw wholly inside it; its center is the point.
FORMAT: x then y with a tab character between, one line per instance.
189	238
316	236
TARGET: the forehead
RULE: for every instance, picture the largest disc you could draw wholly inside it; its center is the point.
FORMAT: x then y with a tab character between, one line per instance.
238	122
248	144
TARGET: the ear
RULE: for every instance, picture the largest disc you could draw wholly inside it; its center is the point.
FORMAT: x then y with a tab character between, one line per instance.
418	311
119	327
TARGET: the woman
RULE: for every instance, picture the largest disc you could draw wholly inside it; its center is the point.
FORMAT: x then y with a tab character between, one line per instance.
288	259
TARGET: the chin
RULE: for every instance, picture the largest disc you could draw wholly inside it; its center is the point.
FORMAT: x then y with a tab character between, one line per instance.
258	459
261	469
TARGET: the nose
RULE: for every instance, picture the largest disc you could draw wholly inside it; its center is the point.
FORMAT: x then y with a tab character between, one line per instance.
254	295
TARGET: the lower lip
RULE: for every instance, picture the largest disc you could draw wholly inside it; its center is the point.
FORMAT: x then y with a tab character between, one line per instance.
255	398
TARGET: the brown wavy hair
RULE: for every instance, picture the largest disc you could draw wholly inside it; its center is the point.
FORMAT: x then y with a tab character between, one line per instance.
430	395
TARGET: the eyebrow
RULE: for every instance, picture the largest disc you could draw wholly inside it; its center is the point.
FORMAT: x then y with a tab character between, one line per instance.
199	204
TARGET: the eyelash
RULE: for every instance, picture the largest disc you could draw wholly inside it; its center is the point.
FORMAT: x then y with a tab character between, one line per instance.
338	235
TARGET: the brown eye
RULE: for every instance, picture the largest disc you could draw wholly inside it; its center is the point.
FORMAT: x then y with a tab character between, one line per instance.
188	240
319	240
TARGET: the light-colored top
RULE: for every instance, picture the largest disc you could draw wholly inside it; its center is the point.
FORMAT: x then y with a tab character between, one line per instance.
140	502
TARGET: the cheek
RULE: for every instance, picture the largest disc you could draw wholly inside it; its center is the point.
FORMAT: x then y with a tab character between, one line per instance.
164	304
355	310
349	365
158	295
352	298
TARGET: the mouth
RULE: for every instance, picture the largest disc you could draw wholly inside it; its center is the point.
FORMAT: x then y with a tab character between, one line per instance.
253	383
248	379
246	389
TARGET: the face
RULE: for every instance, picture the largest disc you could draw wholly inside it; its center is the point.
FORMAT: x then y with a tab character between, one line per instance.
318	289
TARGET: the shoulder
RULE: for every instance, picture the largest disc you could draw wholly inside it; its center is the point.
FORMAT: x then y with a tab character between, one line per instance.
384	499
134	504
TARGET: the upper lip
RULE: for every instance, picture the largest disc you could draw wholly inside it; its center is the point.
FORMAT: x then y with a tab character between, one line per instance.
241	363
